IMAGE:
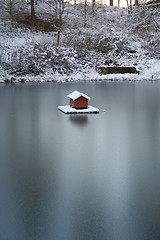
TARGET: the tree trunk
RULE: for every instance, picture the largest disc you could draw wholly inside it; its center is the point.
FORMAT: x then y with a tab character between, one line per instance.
136	2
111	2
85	13
131	5
10	8
32	9
93	3
59	24
58	39
128	6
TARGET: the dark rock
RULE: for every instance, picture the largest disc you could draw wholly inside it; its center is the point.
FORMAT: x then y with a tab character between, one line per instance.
7	80
22	80
13	80
108	61
132	51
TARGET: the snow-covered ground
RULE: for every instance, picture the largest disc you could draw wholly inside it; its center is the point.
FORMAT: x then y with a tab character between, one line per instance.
111	37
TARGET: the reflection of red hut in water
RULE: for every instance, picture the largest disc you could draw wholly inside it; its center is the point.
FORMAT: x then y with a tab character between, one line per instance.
78	100
80	119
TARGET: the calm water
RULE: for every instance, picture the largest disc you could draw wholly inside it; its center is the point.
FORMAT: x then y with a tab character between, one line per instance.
90	177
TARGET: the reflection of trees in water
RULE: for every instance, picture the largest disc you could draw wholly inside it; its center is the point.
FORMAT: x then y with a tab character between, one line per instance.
31	176
90	219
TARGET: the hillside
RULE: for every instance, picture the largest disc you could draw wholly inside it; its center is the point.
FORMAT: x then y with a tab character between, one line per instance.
108	36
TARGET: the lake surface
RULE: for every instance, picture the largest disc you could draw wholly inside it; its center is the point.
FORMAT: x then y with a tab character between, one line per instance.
87	177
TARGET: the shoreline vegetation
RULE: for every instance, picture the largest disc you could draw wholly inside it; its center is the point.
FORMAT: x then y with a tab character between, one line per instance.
107	36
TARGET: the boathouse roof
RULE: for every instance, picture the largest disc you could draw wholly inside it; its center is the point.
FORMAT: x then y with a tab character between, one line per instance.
75	95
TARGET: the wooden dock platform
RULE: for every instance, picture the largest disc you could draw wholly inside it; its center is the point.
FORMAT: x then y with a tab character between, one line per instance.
69	110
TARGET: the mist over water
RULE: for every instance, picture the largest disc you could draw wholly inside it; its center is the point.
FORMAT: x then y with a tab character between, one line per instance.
80	177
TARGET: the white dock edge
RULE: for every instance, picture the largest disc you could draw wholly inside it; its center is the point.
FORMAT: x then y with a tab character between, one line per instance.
67	109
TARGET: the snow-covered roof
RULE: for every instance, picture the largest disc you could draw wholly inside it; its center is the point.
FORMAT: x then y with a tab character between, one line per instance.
74	95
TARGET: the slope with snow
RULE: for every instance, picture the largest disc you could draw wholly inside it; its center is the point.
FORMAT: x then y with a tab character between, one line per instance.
108	36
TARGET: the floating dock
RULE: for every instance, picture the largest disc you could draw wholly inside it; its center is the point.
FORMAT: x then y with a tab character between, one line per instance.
69	110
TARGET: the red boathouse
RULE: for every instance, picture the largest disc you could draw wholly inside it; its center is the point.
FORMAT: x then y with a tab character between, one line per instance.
78	100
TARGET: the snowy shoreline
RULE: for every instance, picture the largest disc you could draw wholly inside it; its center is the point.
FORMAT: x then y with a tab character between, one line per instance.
151	74
120	77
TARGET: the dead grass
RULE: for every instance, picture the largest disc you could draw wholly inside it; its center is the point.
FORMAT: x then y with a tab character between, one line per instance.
24	20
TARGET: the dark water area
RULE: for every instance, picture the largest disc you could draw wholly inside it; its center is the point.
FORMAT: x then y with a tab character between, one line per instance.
80	177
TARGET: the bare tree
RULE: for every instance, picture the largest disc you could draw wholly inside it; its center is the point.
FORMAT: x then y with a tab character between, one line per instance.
111	2
32	9
85	13
58	7
93	4
10	8
136	2
128	5
131	5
